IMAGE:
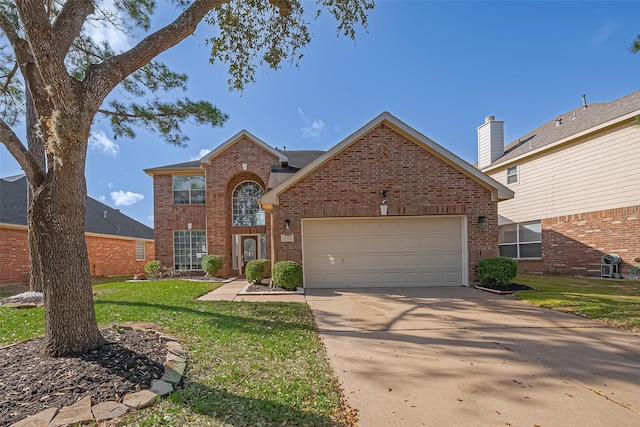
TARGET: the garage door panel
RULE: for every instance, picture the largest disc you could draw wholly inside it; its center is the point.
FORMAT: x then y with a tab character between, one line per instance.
390	251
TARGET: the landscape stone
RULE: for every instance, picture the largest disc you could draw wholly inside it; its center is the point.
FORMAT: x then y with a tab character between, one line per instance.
108	410
174	345
10	305
41	419
173	372
171	357
161	388
140	399
165	337
177	352
27	305
78	413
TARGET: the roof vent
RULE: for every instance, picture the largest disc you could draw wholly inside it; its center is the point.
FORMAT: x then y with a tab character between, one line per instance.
558	122
584	101
104	214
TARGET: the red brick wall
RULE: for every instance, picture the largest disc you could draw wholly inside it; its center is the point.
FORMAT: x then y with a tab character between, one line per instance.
418	183
107	256
14	255
575	244
113	257
169	217
223	174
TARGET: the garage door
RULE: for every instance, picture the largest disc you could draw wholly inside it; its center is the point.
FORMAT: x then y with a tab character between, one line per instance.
381	252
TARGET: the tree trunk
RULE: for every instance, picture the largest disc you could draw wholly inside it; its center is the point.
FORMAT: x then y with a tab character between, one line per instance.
35	143
57	215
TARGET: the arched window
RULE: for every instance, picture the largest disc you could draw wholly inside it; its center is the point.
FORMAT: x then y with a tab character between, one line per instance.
246	210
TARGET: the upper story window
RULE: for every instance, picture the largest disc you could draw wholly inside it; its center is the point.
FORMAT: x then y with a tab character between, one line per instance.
522	240
246	209
188	190
512	174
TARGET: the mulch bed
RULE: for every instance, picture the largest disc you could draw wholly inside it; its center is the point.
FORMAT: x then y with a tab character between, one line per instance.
259	288
30	383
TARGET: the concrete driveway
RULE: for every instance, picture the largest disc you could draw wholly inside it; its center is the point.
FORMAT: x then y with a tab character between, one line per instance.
463	357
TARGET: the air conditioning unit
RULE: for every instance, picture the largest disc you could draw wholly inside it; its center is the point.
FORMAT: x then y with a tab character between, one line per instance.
608	270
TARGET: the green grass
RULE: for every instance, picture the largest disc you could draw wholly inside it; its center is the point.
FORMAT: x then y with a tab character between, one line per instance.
614	302
18	288
250	364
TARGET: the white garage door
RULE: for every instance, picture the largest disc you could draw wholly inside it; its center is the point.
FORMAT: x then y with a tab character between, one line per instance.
381	252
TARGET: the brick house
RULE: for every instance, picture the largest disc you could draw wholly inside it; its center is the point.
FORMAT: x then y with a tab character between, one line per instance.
116	243
576	188
386	206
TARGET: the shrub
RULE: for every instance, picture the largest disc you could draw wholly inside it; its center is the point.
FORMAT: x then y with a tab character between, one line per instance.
211	264
257	270
497	271
287	275
153	268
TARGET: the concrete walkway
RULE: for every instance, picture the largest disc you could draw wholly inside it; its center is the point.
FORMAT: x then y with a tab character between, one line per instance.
229	292
463	357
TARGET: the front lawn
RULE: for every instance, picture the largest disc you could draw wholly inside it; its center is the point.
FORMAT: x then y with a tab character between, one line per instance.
250	364
614	302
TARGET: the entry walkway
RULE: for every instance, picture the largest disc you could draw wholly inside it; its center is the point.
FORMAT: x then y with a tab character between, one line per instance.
463	357
229	292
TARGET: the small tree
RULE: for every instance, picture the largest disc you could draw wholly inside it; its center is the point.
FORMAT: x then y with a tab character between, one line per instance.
211	264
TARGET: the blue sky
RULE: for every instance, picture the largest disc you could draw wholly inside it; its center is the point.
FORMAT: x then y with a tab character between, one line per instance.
441	67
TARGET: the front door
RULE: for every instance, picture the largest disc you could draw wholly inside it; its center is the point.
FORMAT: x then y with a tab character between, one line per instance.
249	250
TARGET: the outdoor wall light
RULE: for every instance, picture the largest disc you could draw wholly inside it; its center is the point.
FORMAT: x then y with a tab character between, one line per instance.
483	221
384	194
189	226
287	224
244	166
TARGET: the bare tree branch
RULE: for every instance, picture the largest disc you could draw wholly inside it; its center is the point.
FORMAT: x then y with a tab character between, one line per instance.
69	22
35	174
102	78
9	77
47	54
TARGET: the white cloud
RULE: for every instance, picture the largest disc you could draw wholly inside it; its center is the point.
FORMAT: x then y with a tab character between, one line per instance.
314	127
603	33
110	185
125	198
102	31
100	141
201	154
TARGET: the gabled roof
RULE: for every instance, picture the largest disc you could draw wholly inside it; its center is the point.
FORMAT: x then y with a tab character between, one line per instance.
243	133
572	124
100	219
193	165
501	192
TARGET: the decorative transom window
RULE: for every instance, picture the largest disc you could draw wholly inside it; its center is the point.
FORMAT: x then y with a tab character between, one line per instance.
189	246
522	240
188	190
512	174
246	209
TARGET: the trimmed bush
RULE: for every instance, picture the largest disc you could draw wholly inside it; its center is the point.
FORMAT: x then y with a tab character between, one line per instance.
257	270
497	271
287	275
211	264
153	268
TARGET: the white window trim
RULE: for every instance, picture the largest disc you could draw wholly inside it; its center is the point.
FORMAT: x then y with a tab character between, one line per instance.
516	174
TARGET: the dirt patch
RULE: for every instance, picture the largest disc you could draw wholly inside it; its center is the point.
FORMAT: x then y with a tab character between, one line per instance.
30	383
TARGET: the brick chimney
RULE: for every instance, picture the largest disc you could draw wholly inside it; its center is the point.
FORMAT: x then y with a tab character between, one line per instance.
490	142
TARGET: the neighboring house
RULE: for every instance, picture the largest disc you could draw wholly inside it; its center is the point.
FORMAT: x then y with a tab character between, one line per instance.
387	206
577	188
116	243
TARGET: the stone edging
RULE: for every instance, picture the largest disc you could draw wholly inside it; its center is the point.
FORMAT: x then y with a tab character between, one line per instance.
83	412
244	291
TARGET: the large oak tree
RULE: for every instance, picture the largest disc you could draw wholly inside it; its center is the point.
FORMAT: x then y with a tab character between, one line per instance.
55	80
